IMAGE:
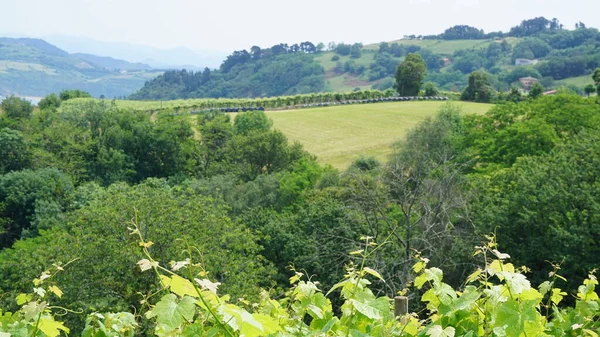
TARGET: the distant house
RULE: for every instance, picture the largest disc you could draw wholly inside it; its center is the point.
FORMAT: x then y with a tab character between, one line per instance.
447	61
525	62
550	92
528	81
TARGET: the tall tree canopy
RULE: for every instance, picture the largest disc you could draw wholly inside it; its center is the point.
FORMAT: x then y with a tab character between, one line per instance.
410	75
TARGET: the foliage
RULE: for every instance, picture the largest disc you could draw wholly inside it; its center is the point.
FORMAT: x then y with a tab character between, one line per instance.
430	89
14	151
66	95
28	197
479	89
496	300
536	90
596	78
103	276
16	107
49	102
251	121
551	202
410	75
509	131
274	74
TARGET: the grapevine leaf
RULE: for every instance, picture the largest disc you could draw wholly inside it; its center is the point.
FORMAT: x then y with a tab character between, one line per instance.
173	313
437	331
182	287
207	284
557	295
545	287
467	299
420	281
23	298
193	330
315	311
373	272
31	310
146	264
50	327
367	309
56	291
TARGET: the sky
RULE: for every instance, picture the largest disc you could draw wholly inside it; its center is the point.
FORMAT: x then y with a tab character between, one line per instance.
226	25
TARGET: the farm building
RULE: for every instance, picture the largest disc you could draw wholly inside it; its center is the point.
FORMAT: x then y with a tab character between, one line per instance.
525	62
528	81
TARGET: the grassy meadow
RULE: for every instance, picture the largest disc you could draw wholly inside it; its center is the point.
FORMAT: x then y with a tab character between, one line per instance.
340	134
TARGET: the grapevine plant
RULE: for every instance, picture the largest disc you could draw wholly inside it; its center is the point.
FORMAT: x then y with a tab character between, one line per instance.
497	300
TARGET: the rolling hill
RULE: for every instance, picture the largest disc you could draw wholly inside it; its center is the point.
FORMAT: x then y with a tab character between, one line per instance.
538	48
34	67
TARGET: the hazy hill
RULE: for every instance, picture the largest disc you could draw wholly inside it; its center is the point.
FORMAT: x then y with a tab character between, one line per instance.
111	63
553	55
34	67
175	58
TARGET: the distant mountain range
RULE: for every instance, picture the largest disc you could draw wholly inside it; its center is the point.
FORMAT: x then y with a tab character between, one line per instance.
175	58
32	67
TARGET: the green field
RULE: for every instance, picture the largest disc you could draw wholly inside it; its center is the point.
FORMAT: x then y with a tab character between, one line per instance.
446	47
580	81
339	134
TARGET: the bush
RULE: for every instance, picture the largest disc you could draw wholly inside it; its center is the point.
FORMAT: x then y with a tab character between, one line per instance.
335	58
16	107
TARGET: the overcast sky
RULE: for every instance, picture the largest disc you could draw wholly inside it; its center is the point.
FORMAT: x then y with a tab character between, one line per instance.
226	25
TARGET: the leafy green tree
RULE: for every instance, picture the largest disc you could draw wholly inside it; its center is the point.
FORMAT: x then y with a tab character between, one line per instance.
103	275
536	90
596	78
514	95
250	121
26	195
16	107
215	133
49	102
14	151
66	95
479	88
430	89
261	153
589	89
545	208
410	74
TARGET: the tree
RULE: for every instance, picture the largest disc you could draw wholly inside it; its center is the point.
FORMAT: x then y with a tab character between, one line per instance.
26	195
49	102
66	95
596	78
536	90
16	107
14	152
247	122
430	89
479	89
545	209
589	89
410	74
104	276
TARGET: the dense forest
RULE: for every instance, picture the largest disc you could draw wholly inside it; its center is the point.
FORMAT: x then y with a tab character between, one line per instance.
553	53
75	181
276	71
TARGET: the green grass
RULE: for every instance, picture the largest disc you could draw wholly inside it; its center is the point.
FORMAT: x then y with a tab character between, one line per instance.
340	134
24	66
446	47
580	81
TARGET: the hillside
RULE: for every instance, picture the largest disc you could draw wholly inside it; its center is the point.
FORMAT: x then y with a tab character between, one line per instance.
545	50
33	67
